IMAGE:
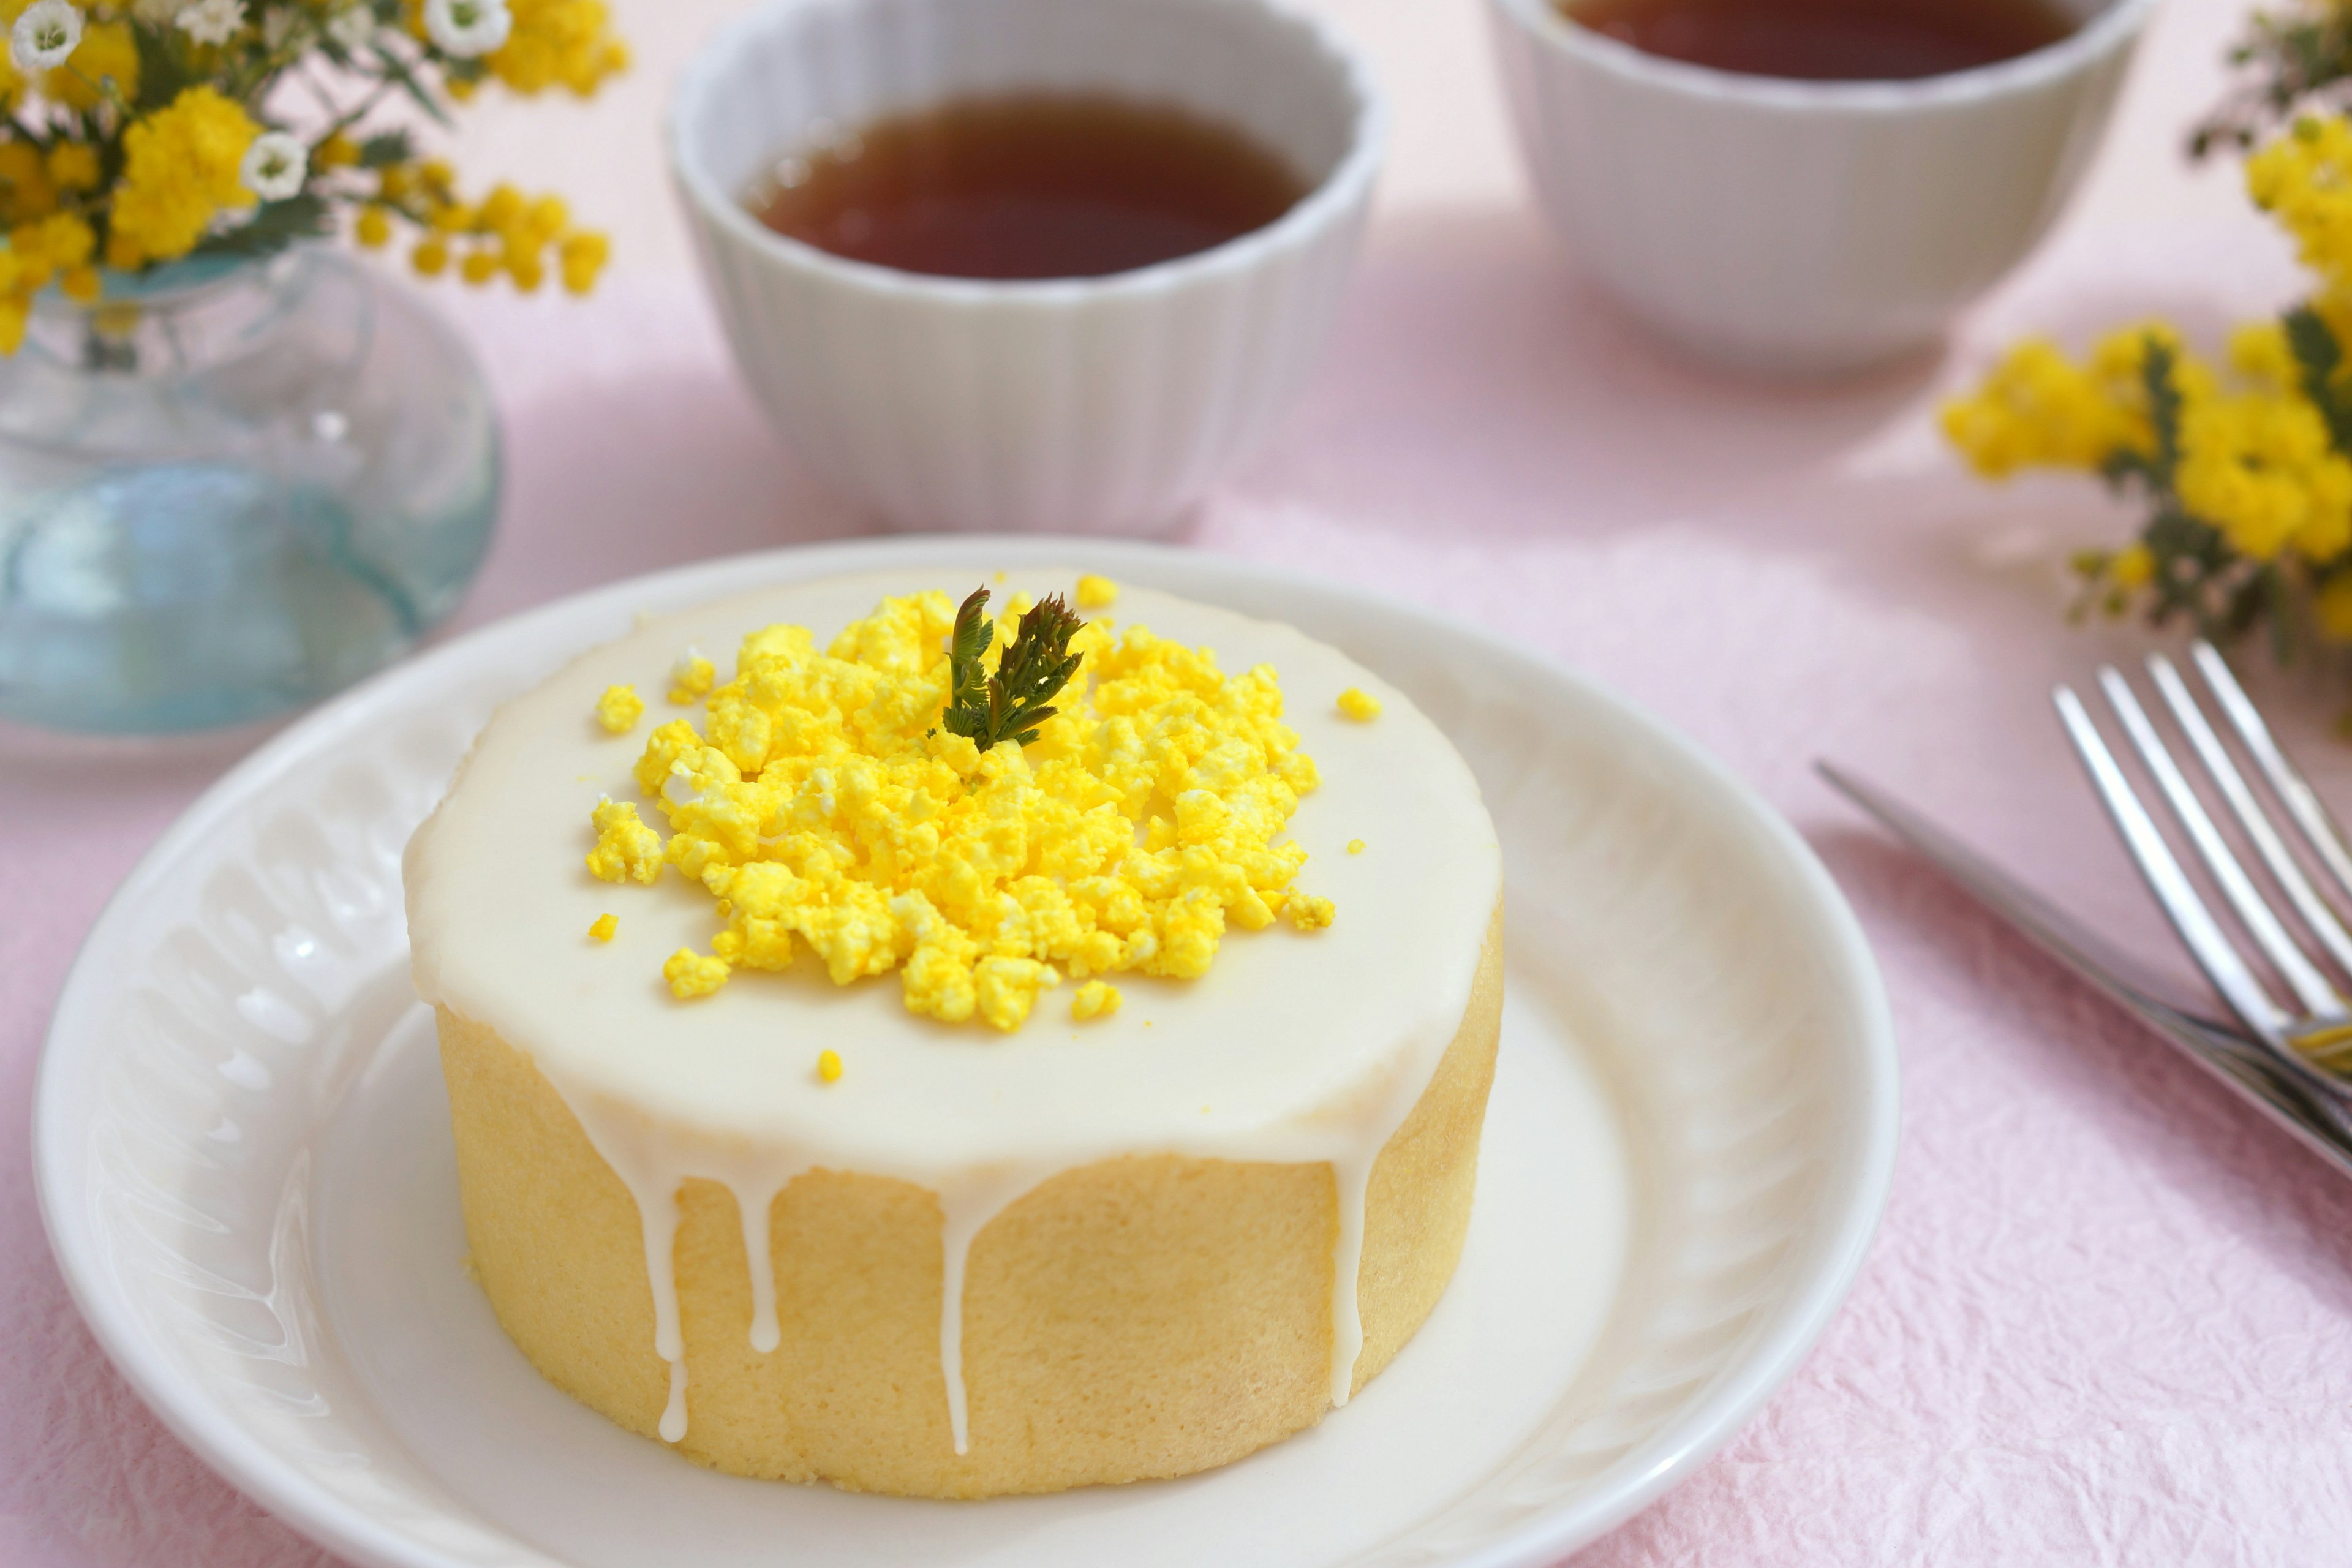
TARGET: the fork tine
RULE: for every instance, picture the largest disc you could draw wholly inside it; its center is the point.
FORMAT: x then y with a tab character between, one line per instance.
2286	781
2310	987
2284	868
2165	878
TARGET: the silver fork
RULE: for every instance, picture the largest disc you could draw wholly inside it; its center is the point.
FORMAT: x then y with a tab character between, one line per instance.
2311	1035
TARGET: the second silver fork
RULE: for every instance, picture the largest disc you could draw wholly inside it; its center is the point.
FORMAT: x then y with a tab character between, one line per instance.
2311	1033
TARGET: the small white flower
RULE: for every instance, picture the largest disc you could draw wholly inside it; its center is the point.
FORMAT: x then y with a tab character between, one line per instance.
44	36
352	29
274	166
468	27
212	21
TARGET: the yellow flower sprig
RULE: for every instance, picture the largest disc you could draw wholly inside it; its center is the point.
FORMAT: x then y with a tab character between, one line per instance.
506	234
558	43
2249	490
54	247
2303	181
2246	465
182	169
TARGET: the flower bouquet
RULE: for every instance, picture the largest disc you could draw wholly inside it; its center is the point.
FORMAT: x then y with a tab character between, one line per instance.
148	133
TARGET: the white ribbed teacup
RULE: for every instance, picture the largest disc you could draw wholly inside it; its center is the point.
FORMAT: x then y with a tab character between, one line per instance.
1803	226
1076	405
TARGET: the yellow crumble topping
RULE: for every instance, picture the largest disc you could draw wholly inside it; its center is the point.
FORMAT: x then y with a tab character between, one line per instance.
1360	706
1355	847
823	806
625	846
828	1066
603	927
692	974
1094	1000
620	709
692	678
1097	593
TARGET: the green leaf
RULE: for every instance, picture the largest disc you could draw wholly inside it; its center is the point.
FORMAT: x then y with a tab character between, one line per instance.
273	226
2192	559
1009	705
165	71
396	69
2122	467
967	709
2320	358
2163	410
386	148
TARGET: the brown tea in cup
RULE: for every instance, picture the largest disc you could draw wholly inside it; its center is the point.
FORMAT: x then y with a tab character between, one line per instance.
1828	40
1028	185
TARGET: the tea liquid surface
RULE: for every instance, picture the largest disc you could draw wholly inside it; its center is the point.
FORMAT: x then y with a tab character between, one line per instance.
1828	40
1028	185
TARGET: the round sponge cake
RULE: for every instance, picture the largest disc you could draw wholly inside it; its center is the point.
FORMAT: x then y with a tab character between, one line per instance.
972	1262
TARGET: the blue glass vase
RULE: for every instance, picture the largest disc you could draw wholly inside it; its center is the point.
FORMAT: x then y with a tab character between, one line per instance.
230	489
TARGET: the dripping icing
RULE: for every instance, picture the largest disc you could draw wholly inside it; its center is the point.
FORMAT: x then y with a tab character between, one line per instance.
653	1164
636	1150
1351	1184
754	1208
673	1421
965	1210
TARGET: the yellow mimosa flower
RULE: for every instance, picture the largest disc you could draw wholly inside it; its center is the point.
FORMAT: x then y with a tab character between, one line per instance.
180	172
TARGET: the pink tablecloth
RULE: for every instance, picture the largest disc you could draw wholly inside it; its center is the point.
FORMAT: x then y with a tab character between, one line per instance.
2106	1319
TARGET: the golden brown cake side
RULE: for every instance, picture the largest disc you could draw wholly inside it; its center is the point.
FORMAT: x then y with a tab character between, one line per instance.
1147	1316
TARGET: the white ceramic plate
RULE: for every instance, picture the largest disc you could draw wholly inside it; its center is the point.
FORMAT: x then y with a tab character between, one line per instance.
245	1166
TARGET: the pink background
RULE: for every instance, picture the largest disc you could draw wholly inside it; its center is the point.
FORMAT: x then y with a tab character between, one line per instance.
2106	1318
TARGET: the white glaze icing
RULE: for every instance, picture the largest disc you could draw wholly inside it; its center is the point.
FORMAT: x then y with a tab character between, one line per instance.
1345	1027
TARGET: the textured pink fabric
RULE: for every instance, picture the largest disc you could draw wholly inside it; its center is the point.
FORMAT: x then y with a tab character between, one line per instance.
2106	1320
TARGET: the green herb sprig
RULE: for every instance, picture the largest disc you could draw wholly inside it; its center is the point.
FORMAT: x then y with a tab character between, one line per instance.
1010	704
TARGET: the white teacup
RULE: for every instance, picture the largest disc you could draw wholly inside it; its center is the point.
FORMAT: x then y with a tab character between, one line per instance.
1093	405
1803	226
